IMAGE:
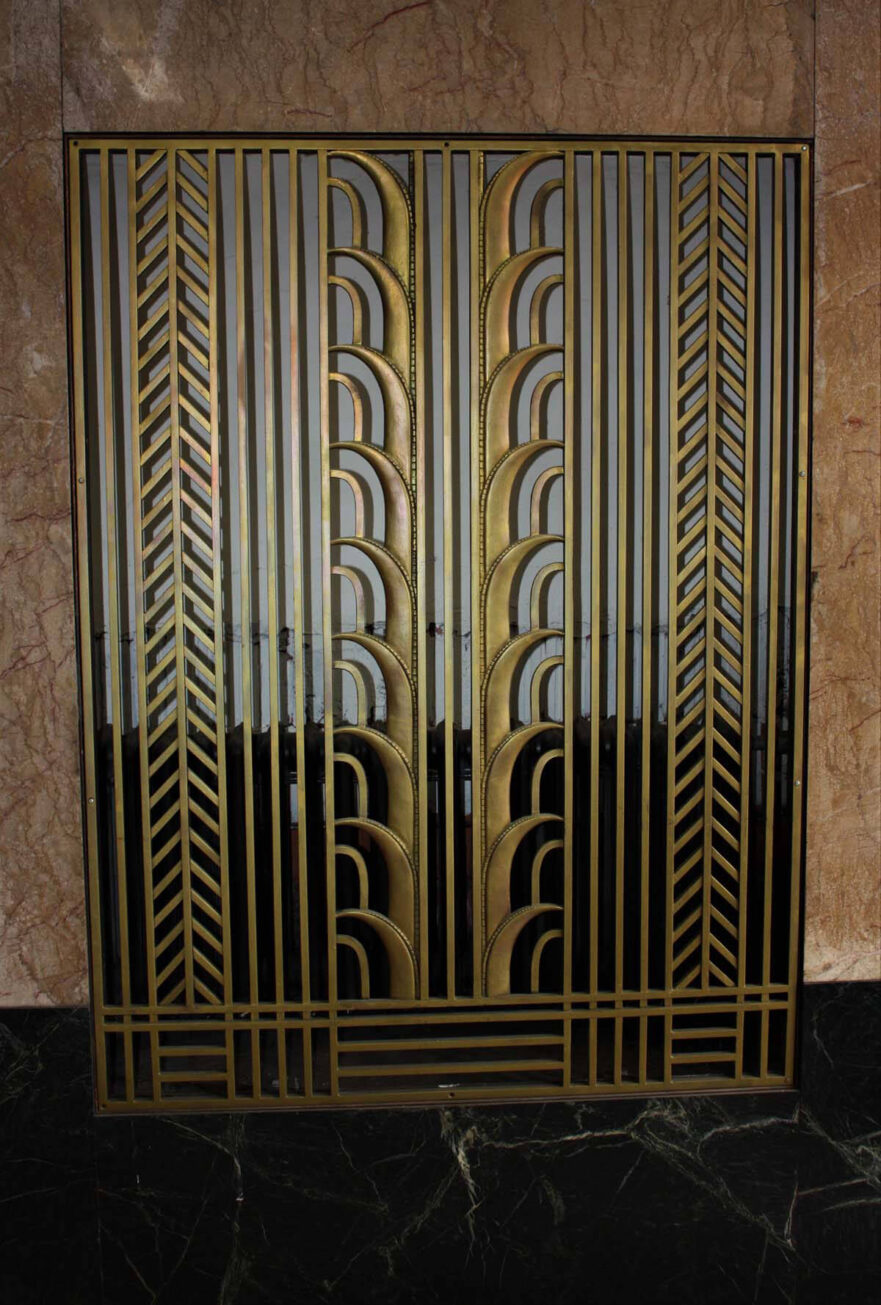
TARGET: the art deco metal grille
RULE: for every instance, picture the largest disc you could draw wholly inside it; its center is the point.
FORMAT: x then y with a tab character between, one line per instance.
441	512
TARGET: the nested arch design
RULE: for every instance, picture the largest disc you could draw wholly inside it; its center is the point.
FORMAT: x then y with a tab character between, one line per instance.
517	372
380	332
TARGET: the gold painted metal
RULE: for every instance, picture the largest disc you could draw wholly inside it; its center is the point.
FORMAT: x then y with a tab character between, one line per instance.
566	754
597	437
476	173
449	611
273	920
648	515
243	328
327	625
773	589
621	597
800	635
299	569
502	555
421	742
110	438
748	360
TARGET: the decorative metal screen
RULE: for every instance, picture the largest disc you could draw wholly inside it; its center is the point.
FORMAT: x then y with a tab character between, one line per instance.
441	515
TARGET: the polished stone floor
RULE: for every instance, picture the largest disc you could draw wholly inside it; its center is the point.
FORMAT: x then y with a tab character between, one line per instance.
699	1201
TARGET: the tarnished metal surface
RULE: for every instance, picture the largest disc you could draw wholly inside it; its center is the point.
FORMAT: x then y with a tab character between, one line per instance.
441	523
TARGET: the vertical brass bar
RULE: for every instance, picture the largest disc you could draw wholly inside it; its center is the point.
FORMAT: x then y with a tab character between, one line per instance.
269	273
245	566
623	564
596	500
800	633
112	523
596	507
569	476
327	622
648	506
476	326
140	633
672	553
421	550
299	560
773	590
180	663
85	618
710	566
449	616
622	587
217	586
595	553
746	646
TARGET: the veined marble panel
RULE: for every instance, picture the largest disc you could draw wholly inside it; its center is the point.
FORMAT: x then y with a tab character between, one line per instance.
42	931
843	890
725	67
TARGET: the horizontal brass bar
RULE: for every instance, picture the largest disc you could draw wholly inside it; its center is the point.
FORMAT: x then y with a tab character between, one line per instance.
450	1067
704	1084
480	144
431	1044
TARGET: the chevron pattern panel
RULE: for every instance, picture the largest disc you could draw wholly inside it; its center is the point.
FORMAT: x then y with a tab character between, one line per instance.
177	520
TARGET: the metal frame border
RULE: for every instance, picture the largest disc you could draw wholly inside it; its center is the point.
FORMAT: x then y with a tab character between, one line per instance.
76	142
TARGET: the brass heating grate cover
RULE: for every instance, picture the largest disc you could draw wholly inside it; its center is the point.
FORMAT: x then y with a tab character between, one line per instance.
441	517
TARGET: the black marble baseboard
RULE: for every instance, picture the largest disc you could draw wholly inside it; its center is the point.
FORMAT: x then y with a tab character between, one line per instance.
698	1201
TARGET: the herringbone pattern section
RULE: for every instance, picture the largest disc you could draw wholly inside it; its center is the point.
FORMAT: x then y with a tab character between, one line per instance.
180	657
708	476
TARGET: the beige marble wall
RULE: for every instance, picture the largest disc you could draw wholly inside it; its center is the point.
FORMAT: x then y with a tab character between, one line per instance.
843	902
727	67
659	66
41	882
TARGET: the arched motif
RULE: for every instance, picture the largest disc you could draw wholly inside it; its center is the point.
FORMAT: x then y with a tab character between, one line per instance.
497	399
499	300
397	410
356	204
398	951
508	561
389	561
551	935
357	859
355	945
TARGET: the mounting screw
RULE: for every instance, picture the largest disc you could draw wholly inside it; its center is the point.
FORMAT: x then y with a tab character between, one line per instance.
81	479
803	475
798	783
91	802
